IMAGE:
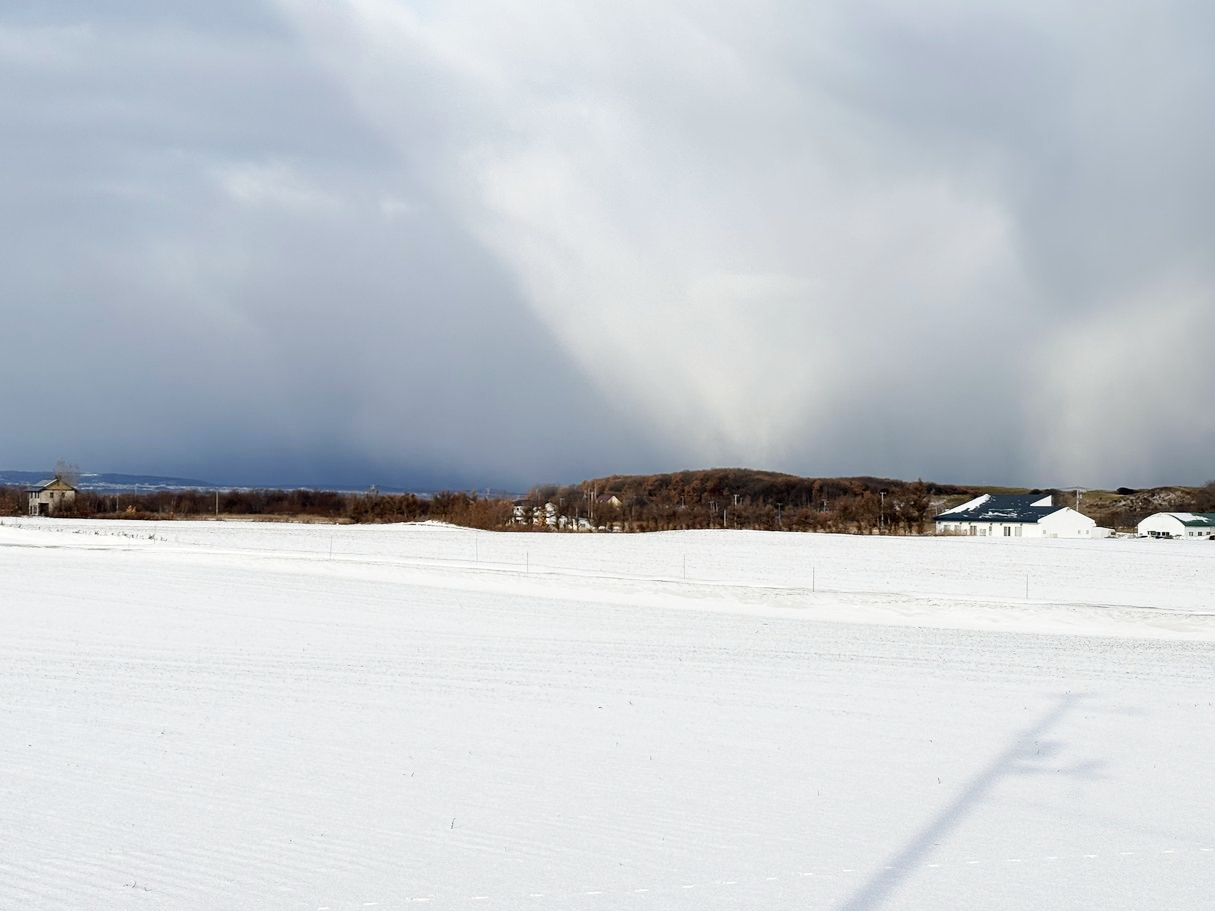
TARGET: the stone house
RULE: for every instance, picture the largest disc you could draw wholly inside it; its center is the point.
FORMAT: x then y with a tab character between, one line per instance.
52	496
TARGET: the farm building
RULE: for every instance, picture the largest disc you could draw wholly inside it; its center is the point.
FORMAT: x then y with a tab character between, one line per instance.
1189	525
50	497
1017	516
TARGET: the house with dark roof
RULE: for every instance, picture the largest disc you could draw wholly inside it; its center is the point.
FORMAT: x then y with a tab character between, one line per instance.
1017	516
51	496
1191	526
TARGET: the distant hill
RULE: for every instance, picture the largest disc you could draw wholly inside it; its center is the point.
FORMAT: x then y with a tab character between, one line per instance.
744	498
742	483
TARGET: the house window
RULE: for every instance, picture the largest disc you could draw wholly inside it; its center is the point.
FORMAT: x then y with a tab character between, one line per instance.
1008	531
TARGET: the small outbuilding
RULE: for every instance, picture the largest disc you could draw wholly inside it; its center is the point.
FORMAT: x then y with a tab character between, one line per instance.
1190	526
51	497
1017	516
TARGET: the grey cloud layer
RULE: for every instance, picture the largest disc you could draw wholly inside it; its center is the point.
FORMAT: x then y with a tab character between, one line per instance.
377	238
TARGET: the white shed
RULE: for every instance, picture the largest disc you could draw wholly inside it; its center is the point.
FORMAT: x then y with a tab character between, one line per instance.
1190	526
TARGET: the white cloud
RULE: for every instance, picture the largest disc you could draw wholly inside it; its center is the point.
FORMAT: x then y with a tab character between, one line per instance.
394	207
44	45
273	184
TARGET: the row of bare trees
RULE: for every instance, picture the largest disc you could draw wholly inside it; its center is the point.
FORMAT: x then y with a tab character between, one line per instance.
317	505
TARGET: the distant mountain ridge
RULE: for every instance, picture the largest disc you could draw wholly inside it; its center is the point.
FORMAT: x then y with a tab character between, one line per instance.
103	482
111	482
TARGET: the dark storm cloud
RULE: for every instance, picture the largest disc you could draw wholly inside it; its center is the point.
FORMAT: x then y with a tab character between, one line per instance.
215	269
372	240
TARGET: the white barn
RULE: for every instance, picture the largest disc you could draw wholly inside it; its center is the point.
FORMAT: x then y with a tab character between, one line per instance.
1017	516
1190	526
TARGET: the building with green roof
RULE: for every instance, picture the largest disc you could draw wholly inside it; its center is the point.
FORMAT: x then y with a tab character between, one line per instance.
1192	526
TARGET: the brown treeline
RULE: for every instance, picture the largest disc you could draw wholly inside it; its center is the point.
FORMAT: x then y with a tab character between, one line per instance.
741	498
711	498
456	507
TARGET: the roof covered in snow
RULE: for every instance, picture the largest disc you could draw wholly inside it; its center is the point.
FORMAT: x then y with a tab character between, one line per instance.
1194	519
1006	508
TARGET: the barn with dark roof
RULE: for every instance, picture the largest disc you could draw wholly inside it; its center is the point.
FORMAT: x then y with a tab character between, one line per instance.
1017	516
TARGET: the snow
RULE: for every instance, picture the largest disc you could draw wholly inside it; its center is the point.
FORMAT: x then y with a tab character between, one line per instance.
969	504
1190	517
265	716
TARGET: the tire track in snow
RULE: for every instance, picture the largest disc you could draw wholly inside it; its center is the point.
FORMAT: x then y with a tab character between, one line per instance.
604	896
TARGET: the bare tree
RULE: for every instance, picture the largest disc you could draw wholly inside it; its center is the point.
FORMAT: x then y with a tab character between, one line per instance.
67	472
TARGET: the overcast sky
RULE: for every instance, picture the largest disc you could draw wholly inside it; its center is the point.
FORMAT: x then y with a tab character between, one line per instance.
471	243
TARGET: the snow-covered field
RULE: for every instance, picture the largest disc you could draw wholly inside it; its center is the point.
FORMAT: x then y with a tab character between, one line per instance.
265	716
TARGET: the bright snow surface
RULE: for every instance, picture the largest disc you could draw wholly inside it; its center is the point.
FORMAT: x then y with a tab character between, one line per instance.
239	715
